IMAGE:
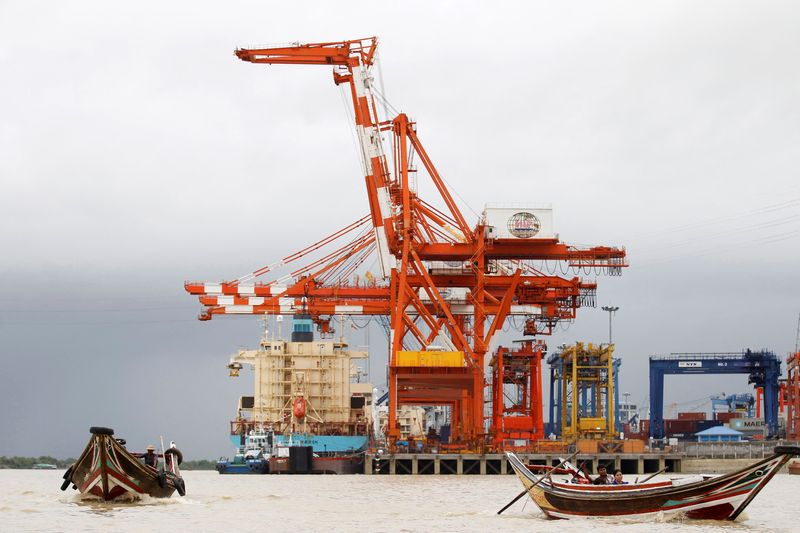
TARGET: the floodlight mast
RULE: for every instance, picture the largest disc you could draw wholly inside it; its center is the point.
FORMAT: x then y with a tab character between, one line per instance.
610	310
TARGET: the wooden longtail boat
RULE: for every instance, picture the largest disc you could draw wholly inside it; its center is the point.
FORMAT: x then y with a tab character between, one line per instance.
712	498
110	472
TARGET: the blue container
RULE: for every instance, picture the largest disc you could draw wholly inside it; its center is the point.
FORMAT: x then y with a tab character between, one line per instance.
703	425
444	434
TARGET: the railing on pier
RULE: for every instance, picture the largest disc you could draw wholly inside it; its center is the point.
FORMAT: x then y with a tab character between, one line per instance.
730	450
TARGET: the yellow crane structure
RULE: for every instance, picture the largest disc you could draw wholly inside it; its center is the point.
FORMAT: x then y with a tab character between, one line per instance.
587	389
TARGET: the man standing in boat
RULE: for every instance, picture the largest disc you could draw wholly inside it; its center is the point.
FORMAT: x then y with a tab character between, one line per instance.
602	476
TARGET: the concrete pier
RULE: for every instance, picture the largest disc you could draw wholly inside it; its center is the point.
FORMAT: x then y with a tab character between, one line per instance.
497	464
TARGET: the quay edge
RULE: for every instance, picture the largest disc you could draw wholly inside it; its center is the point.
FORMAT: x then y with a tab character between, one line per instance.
497	464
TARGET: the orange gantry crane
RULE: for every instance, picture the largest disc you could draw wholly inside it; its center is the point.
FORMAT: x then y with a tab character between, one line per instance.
446	286
793	396
792	393
517	414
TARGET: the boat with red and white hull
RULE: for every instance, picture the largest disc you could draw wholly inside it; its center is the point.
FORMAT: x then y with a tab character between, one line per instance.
108	471
703	497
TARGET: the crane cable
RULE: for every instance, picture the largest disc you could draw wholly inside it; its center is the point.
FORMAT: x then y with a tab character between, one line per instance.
351	127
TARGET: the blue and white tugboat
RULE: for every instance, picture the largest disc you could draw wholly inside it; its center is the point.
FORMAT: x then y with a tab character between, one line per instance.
252	458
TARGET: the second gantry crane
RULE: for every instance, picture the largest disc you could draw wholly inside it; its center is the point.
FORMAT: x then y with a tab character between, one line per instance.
792	388
445	285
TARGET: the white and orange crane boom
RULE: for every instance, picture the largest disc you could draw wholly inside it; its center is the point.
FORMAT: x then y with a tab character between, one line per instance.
351	61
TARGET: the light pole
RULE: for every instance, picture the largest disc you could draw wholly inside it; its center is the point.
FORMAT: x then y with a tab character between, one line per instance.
611	310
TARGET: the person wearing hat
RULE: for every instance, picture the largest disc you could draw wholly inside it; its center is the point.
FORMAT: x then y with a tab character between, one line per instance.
150	458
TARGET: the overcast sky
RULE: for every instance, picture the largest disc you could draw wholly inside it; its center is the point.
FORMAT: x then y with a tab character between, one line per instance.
137	152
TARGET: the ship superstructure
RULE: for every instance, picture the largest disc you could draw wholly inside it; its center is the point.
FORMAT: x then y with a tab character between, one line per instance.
306	391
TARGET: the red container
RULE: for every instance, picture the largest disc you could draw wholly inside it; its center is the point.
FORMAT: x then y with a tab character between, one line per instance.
680	426
691	416
726	417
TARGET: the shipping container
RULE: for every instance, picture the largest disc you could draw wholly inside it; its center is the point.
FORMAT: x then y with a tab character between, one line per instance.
727	417
641	436
691	416
679	436
633	446
749	426
703	425
680	426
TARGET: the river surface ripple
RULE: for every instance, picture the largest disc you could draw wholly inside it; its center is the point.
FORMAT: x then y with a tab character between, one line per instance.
30	500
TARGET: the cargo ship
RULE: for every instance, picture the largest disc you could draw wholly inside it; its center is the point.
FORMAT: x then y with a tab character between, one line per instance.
309	397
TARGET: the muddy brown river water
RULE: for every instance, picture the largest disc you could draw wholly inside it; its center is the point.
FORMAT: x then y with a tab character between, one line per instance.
30	500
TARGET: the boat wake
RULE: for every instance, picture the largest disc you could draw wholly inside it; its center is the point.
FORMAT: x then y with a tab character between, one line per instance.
98	505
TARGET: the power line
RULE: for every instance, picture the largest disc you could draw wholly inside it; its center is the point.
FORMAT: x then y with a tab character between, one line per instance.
753	212
93	323
96	310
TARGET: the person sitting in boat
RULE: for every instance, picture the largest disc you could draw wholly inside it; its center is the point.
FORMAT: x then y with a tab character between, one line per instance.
618	478
150	458
602	476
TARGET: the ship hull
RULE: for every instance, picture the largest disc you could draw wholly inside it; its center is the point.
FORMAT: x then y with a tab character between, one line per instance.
338	465
251	467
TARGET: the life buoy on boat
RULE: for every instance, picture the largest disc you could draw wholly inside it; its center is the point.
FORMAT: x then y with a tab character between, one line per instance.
99	430
299	408
176	452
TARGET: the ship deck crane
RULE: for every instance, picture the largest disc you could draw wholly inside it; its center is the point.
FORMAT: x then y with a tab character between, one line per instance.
425	254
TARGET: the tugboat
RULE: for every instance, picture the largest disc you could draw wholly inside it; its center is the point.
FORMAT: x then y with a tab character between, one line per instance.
252	458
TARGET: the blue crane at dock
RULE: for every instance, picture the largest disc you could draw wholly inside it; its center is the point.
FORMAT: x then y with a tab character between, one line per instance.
762	367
